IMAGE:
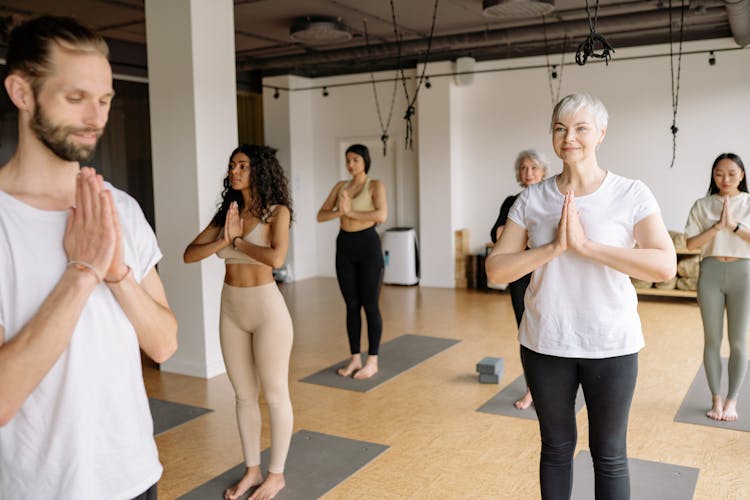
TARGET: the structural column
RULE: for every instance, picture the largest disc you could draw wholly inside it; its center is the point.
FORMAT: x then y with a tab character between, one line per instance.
439	178
192	96
293	137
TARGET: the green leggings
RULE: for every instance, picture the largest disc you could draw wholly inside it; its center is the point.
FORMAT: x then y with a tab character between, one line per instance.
725	285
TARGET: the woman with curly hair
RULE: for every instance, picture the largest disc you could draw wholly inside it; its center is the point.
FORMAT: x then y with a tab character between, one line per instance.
251	232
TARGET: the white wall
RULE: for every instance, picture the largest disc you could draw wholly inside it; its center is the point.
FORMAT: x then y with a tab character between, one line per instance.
346	116
502	112
505	112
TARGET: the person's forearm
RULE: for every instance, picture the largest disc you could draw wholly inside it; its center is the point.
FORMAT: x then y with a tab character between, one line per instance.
198	251
30	354
648	264
508	267
154	323
269	256
701	239
326	215
377	216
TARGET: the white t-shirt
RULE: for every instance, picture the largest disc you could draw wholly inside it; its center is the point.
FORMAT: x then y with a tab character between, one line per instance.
85	432
576	308
707	211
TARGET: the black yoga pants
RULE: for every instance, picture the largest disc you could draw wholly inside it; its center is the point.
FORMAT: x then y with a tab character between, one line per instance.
359	270
608	386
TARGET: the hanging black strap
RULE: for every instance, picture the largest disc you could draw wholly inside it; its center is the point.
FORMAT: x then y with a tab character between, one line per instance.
383	126
675	87
410	110
588	48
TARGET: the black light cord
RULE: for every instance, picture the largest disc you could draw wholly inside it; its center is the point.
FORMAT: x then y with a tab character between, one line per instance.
554	95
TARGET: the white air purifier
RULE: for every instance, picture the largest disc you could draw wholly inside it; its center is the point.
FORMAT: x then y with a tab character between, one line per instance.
401	256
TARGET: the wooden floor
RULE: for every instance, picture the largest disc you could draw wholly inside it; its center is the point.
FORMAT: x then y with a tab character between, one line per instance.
440	446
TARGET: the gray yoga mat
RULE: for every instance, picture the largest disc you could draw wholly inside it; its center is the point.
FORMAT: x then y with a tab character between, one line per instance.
648	480
395	357
316	464
167	414
698	401
502	402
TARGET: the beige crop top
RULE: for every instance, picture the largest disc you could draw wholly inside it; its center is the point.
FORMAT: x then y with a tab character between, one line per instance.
707	211
260	235
363	201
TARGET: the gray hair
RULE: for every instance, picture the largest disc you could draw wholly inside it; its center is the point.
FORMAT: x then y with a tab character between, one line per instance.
536	157
574	102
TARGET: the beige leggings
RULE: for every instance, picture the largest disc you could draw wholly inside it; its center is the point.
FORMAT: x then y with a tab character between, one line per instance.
256	341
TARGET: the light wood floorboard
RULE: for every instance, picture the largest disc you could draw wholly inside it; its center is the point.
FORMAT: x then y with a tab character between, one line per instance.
440	447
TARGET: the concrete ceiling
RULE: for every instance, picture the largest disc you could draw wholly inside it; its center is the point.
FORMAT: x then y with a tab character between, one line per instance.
264	47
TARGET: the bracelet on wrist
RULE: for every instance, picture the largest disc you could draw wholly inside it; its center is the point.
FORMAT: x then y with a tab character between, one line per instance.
114	282
85	266
234	241
737	227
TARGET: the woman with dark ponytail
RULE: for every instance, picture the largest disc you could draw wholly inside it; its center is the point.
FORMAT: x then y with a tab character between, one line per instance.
250	230
359	204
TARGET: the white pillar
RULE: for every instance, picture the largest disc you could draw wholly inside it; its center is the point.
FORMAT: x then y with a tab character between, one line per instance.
439	178
192	96
288	127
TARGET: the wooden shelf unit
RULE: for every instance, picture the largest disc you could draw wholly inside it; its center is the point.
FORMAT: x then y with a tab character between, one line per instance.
672	292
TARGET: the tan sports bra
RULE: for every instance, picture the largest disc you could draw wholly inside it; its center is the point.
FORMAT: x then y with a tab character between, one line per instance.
363	201
260	235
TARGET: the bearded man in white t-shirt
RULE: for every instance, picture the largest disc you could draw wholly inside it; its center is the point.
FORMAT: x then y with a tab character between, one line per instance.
79	293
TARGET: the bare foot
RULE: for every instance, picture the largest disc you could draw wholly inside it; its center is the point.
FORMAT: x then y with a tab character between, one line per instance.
717	410
271	486
252	477
525	401
730	410
370	368
354	364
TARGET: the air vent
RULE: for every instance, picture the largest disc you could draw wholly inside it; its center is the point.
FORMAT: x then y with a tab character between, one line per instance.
517	8
318	30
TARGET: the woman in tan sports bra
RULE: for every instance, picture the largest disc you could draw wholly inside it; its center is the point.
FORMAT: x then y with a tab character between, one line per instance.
251	232
360	205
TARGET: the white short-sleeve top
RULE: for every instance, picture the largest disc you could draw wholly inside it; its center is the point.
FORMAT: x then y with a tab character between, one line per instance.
575	307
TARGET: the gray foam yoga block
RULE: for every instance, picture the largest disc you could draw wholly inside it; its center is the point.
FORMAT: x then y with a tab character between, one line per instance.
489	378
490	365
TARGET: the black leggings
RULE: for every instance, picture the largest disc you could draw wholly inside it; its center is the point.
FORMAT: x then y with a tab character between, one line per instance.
359	269
517	292
608	386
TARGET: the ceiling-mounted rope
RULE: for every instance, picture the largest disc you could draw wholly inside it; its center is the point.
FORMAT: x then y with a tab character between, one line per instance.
409	139
587	48
675	83
383	126
554	95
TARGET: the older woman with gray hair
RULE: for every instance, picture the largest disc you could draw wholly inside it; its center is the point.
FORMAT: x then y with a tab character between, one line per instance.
531	167
581	325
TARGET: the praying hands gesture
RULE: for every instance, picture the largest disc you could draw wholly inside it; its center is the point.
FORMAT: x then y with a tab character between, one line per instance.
345	202
726	221
234	227
570	234
92	233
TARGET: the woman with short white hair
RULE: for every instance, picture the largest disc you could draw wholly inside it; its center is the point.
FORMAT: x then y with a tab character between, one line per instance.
588	230
531	167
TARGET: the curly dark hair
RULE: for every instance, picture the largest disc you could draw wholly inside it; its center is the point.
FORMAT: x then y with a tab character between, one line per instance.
268	185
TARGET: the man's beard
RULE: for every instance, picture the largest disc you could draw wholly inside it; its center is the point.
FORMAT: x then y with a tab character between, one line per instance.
55	137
